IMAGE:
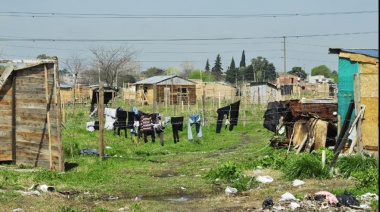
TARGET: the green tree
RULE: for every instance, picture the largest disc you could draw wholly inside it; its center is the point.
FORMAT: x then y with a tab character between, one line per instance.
321	70
232	72
216	71
246	73
334	76
298	72
242	61
199	74
43	56
207	68
263	70
153	71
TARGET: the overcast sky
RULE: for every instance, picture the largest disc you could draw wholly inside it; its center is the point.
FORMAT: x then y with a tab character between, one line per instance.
168	32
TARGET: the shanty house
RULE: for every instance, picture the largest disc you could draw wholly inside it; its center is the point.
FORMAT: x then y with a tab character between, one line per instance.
358	80
30	123
170	90
262	92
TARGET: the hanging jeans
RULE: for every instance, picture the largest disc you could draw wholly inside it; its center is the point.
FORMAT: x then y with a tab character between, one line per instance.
234	114
177	125
194	119
221	113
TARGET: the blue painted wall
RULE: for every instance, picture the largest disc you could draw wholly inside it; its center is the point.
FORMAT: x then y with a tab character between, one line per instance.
346	71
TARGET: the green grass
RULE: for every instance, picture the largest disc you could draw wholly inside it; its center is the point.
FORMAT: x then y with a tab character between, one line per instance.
149	170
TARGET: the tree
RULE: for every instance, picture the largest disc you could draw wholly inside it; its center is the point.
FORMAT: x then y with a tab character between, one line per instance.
321	70
172	70
187	67
298	72
199	74
334	76
216	71
232	73
43	56
207	68
247	73
111	61
153	71
263	70
242	61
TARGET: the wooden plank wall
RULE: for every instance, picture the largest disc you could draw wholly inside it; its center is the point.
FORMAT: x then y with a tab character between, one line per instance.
369	96
6	120
37	143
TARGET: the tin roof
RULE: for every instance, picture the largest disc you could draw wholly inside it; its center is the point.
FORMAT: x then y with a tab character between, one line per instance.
162	79
369	52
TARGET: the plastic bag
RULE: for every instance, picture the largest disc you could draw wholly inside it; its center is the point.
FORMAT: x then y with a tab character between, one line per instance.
268	202
347	199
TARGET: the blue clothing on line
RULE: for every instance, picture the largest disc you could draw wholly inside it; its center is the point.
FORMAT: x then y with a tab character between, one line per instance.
194	119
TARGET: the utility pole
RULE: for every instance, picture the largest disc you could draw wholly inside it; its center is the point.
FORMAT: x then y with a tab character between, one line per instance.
284	62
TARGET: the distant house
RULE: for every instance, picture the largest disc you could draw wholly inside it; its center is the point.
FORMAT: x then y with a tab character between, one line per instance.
262	92
358	80
171	90
318	79
216	90
286	82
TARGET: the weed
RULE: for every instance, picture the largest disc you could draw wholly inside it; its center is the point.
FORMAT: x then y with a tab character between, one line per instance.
227	171
100	210
67	209
136	206
367	179
355	163
305	166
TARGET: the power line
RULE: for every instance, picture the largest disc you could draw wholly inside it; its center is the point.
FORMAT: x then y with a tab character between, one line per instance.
179	39
173	16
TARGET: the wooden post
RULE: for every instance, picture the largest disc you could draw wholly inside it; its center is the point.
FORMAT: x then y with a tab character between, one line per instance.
357	97
4	76
154	98
48	115
203	108
323	158
101	119
14	119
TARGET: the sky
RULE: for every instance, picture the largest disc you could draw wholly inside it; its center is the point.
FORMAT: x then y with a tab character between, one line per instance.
167	33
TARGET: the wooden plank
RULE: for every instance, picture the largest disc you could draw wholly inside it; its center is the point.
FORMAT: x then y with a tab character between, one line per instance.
101	119
14	156
7	72
357	93
48	113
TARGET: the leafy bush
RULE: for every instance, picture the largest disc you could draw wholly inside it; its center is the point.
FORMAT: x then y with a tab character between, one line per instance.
244	183
368	179
305	166
355	163
227	171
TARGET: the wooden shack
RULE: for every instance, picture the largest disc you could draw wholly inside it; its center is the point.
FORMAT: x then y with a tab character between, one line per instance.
30	123
66	93
217	90
262	92
358	80
169	90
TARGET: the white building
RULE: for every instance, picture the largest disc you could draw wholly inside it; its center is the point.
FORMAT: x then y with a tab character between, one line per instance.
318	79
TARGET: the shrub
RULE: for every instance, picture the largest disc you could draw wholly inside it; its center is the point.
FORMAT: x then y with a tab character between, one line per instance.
227	171
368	179
355	163
305	166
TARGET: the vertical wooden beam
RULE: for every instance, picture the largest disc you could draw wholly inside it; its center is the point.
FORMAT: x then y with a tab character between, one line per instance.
154	97
203	108
14	118
359	140
101	119
57	95
48	116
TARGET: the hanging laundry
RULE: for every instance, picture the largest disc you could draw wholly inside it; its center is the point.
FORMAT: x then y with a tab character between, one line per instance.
110	115
90	126
177	125
146	127
160	127
222	112
234	114
194	120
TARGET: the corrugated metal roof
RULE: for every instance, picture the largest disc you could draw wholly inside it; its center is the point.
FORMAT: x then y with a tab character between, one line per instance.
154	80
165	80
369	52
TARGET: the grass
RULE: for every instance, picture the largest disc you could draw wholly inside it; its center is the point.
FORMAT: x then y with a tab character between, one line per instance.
151	171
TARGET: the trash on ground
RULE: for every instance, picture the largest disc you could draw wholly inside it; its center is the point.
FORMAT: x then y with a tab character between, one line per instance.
298	183
230	190
347	199
294	205
287	196
331	198
268	202
264	179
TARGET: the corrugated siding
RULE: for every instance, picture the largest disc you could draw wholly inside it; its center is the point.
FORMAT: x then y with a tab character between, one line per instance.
176	81
347	69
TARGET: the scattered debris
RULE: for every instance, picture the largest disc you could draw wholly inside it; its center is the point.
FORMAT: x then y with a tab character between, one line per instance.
331	198
230	190
297	182
287	196
268	202
264	179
